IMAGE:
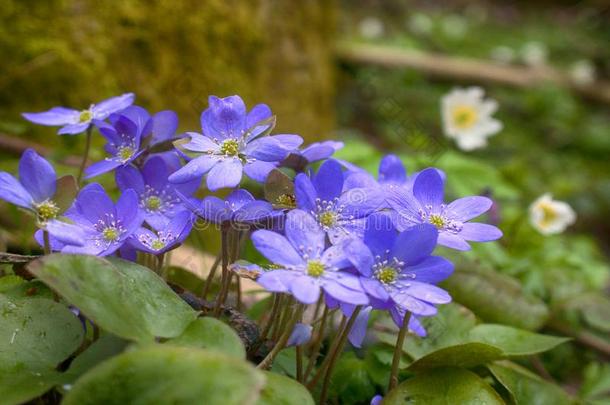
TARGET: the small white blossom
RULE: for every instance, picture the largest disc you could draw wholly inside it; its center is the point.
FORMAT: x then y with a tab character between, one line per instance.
467	117
583	72
420	24
550	216
371	28
534	53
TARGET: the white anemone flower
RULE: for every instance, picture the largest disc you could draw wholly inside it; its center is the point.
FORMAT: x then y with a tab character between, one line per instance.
467	117
550	216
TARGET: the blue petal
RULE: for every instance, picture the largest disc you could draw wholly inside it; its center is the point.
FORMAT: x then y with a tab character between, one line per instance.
258	170
305	289
54	116
66	233
301	334
129	177
255	118
453	241
267	149
73	129
432	270
12	191
304	233
360	256
155	173
37	176
343	294
428	188
379	234
428	293
415	244
328	181
413	304
467	208
224	118
238	198
128	211
276	248
253	211
200	143
392	170
374	288
226	174
101	167
193	170
357	334
478	232
360	202
138	116
277	280
164	126
112	105
93	204
305	193
214	210
407	207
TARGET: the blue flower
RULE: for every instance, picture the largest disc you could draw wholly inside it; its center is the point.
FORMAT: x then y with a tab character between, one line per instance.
340	213
233	142
96	225
302	265
73	121
392	174
240	207
301	334
124	134
315	152
159	200
36	188
397	271
165	238
425	205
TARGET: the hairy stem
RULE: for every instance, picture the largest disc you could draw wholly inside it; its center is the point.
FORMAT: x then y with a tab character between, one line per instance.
281	343
85	156
47	242
398	351
317	343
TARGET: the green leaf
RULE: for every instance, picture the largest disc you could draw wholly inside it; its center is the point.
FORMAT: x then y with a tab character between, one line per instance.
514	342
162	374
19	384
106	346
36	332
281	390
497	298
464	355
596	384
9	282
447	386
184	278
210	333
526	387
350	381
123	298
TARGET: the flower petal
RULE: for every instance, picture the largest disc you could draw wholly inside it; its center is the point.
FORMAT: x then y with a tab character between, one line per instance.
13	192
380	233
129	177
214	210
238	198
37	176
200	143
267	149
429	188
374	288
413	305
226	174
357	334
360	202
415	244
155	173
453	241
305	289
255	118
93	204
305	192
360	256
66	233
193	170
253	211
478	232
432	270
164	126
259	170
343	294
405	205
112	105
304	233
467	208
277	280
224	118
428	293
128	211
54	116
73	129
101	167
276	248
392	170
328	181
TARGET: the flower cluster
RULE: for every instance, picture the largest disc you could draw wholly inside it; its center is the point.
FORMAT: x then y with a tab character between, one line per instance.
332	233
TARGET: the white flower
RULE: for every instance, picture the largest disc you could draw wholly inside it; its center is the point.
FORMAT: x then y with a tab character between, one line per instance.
550	216
534	53
371	28
583	72
467	117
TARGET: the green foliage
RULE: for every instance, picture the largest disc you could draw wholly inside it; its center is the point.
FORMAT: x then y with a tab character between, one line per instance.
444	386
211	334
123	298
281	390
162	374
351	382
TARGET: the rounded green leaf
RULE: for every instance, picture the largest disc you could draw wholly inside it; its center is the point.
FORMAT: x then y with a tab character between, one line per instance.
448	386
497	298
350	381
526	387
210	333
463	355
19	384
161	374
514	342
281	390
36	332
123	298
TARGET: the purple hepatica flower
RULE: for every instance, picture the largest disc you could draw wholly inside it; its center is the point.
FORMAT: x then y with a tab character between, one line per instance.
397	271
36	188
233	142
123	145
163	239
159	200
97	225
340	213
74	121
392	174
425	205
240	207
303	265
301	334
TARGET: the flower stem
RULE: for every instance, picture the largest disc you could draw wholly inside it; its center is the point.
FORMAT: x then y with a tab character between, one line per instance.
398	351
211	274
268	360
225	269
268	324
47	242
314	380
85	156
299	365
336	353
317	343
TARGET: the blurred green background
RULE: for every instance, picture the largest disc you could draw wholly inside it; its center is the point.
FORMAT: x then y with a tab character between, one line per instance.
294	56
